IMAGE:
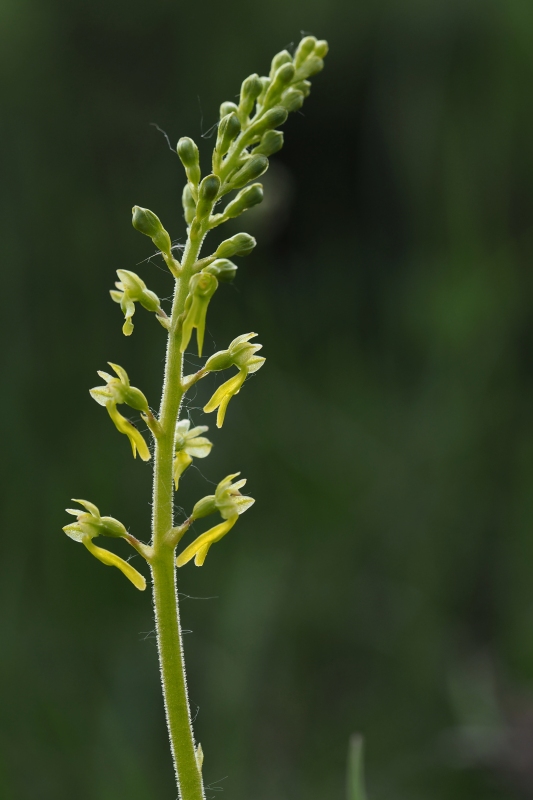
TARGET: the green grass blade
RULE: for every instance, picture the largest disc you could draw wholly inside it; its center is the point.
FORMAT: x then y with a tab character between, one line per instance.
356	783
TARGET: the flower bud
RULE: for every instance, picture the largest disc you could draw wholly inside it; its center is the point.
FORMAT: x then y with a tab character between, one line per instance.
250	90
227	108
245	199
204	507
284	57
292	100
206	195
304	50
241	244
254	167
310	67
145	221
190	158
270	143
271	119
189	206
303	86
265	83
282	78
222	269
229	128
321	49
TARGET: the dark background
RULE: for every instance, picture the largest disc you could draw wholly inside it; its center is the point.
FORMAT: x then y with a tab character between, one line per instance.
384	580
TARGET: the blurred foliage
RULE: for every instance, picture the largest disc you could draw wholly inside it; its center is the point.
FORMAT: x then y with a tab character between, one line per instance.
383	581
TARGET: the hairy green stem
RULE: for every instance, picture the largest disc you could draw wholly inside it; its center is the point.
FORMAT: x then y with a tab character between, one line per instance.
169	637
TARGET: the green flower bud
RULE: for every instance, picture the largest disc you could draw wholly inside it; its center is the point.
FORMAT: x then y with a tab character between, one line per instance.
304	50
321	49
227	108
189	206
228	129
282	78
265	83
204	507
241	244
271	119
202	287
270	143
284	57
310	67
250	90
246	198
190	158
292	100
254	167
222	269
145	221
207	195
303	86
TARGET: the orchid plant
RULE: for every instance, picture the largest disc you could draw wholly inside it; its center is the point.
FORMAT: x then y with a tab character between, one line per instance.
247	136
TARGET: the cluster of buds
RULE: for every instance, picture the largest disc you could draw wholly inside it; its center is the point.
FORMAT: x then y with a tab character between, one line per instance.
90	524
247	136
230	504
241	354
116	391
130	290
188	445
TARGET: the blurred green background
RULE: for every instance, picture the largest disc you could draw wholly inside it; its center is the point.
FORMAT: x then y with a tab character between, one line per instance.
383	583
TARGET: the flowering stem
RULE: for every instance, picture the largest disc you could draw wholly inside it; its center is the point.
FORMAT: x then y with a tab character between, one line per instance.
162	562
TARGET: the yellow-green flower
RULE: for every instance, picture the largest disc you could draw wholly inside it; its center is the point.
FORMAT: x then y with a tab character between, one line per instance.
90	524
242	355
189	444
123	425
229	503
201	289
118	390
130	290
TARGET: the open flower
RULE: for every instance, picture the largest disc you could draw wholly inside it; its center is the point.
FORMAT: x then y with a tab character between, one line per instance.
242	355
229	503
90	524
118	390
130	290
189	445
